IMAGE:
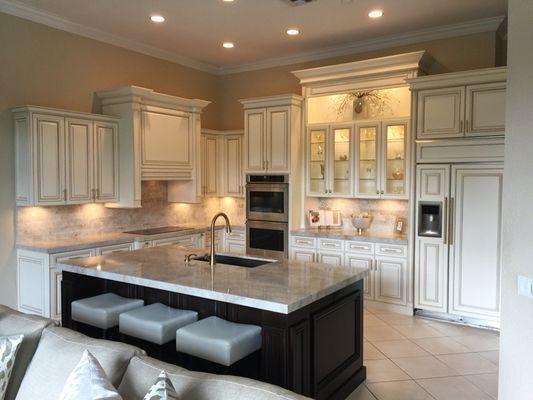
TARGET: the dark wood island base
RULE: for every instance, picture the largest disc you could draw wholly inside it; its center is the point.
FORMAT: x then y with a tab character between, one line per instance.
316	350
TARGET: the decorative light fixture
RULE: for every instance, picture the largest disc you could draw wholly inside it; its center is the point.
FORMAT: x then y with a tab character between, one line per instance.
157	18
228	45
293	32
227	1
375	14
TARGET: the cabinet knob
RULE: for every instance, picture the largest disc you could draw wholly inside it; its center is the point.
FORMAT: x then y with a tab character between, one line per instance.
382	192
377	191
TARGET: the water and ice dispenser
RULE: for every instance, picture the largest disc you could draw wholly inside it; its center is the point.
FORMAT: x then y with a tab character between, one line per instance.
430	219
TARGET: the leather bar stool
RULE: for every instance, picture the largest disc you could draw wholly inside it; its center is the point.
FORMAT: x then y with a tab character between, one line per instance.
155	325
222	342
102	312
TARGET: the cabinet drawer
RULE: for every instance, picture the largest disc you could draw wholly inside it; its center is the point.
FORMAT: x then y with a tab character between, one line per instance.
331	244
359	247
59	257
187	241
391	250
236	235
304	242
117	248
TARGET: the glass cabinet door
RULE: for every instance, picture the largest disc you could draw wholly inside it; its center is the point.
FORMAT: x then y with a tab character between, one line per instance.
367	157
317	161
394	154
341	184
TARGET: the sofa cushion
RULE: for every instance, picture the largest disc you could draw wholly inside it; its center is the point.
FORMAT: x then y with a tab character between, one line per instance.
60	351
15	323
143	371
9	346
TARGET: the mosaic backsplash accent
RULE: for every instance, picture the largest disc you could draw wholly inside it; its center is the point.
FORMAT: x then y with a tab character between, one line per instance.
38	223
384	212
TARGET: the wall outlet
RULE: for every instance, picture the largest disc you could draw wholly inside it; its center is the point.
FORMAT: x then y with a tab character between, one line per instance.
525	286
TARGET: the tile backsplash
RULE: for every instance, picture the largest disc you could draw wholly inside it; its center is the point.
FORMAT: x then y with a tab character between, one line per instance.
384	212
38	223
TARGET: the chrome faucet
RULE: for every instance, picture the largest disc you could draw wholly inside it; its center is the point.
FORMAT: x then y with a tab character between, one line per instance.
212	260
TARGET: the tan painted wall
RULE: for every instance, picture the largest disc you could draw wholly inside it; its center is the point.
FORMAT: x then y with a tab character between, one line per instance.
516	343
456	54
48	67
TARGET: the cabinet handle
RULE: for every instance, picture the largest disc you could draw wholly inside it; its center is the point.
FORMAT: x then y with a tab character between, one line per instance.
445	222
64	194
461	126
450	222
97	193
377	191
390	250
467	127
353	246
382	192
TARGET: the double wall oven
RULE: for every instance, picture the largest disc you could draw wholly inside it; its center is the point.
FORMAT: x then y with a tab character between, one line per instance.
267	215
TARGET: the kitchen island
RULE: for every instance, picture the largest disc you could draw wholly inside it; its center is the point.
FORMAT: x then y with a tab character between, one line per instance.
311	314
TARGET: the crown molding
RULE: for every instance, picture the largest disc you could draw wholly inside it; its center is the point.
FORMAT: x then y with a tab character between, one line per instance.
361	46
17	9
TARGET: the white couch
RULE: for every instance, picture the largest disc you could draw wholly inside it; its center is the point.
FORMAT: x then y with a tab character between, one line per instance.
49	353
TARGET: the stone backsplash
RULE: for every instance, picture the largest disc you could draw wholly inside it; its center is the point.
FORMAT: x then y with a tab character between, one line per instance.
38	223
384	212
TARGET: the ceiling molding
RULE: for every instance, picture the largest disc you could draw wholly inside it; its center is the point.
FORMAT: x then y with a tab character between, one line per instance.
361	46
441	32
23	11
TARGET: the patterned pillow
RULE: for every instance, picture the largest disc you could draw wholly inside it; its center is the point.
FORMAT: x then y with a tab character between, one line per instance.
9	346
162	389
88	381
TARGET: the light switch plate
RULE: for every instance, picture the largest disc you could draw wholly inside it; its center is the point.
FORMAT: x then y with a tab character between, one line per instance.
525	286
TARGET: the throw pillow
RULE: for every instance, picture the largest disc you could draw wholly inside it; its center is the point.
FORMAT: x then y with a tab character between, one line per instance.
88	381
162	389
9	346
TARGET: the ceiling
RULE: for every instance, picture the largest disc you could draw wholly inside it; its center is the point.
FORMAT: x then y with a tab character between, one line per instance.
195	29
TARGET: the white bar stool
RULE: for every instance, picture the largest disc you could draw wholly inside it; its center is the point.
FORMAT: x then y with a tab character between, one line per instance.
219	341
102	311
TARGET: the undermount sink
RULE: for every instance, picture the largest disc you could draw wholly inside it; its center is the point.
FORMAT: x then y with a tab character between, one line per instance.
236	261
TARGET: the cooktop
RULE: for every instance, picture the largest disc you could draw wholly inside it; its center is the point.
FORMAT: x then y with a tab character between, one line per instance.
156	231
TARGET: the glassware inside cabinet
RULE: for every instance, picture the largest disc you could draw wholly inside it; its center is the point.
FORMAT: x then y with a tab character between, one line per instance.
368	160
342	161
318	161
395	152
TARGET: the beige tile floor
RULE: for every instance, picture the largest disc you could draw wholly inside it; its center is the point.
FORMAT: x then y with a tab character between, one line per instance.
411	358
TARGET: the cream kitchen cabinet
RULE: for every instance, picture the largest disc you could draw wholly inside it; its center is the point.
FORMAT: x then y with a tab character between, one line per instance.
382	155
235	242
160	139
222	164
330	161
462	104
387	281
64	157
272	127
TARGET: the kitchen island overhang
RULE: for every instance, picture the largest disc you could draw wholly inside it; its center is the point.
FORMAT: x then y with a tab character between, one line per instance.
311	314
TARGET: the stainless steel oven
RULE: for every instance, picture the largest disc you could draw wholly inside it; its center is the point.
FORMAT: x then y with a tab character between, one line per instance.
267	239
267	198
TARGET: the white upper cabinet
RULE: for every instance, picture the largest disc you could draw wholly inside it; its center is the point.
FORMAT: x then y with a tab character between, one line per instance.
460	104
160	139
64	157
271	133
222	163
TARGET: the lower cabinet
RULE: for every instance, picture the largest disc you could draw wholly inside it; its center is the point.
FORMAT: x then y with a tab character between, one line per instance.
235	242
387	263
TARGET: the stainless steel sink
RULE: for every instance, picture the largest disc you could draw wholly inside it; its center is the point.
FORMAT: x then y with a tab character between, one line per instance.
247	262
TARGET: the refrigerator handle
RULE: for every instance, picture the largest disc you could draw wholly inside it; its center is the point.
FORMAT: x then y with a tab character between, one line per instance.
445	222
450	221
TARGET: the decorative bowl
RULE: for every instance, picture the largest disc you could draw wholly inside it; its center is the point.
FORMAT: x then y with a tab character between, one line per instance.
361	222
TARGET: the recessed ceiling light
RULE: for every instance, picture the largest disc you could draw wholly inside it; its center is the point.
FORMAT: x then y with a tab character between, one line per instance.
375	14
228	45
157	18
227	1
293	31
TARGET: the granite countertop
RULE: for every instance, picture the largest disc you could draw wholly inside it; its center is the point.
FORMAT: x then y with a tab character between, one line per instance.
82	242
281	286
351	234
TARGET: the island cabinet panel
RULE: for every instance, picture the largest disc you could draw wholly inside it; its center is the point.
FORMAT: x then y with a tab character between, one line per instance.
315	350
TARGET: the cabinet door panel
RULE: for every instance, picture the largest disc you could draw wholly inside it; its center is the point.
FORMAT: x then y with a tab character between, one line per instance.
390	280
79	157
255	125
432	275
318	160
303	255
440	113
235	247
341	157
367	164
485	109
107	168
32	278
211	166
352	260
278	139
330	258
475	254
49	145
233	154
394	157
433	182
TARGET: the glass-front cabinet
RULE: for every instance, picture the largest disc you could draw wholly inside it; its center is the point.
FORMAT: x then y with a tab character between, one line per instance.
330	161
381	159
364	160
